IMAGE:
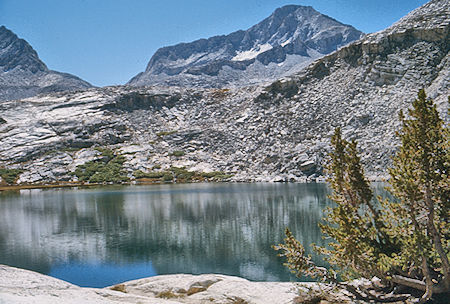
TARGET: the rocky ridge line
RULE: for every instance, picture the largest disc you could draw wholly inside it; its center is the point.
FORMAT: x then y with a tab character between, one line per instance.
281	44
23	74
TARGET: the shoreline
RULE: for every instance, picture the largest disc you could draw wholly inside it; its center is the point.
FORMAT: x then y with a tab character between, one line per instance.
26	286
46	186
144	183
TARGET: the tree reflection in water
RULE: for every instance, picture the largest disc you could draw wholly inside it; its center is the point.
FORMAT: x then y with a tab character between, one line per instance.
191	228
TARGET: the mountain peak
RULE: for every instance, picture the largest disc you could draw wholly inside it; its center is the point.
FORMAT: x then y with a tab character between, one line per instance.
283	43
17	53
23	74
291	8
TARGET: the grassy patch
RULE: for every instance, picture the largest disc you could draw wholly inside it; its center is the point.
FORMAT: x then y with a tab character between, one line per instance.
222	177
141	174
10	175
70	149
236	300
107	169
165	133
177	153
181	175
119	287
210	174
167	177
168	294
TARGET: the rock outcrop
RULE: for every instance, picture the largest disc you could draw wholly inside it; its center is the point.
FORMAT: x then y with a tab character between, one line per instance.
277	133
281	44
23	286
23	74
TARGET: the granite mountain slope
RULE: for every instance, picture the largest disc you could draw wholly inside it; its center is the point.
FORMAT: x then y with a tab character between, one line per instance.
276	133
23	74
281	44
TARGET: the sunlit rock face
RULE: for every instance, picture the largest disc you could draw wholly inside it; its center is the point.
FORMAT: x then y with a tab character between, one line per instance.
281	44
23	74
276	133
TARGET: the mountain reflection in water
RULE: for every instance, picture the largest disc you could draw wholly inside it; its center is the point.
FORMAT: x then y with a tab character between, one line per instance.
102	236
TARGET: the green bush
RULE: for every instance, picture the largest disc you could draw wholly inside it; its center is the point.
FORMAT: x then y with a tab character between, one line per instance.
167	177
107	154
222	177
107	169
140	174
210	174
181	174
10	175
177	153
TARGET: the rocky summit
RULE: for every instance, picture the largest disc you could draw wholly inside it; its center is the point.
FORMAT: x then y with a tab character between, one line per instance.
279	132
282	44
23	74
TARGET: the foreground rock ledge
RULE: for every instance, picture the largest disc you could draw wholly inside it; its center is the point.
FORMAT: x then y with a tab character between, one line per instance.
24	286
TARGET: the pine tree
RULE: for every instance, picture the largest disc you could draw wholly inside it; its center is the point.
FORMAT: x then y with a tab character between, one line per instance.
420	179
403	242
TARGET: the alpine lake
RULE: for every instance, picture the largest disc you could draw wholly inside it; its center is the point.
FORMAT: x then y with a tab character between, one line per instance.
96	237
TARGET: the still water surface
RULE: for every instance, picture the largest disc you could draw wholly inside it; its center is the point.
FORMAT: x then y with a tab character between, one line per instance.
103	236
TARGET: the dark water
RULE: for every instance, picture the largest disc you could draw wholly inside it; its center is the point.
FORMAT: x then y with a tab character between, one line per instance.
103	236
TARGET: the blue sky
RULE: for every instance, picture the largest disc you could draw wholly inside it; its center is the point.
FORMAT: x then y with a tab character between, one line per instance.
107	42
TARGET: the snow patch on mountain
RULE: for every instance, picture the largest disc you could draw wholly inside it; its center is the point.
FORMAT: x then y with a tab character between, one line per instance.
247	57
250	54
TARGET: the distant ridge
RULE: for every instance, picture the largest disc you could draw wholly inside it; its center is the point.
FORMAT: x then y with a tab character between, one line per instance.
281	44
23	74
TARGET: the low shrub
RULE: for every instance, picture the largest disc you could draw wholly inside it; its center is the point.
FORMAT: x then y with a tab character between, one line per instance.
167	177
181	175
141	174
168	294
210	174
107	169
10	175
177	153
119	287
222	177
